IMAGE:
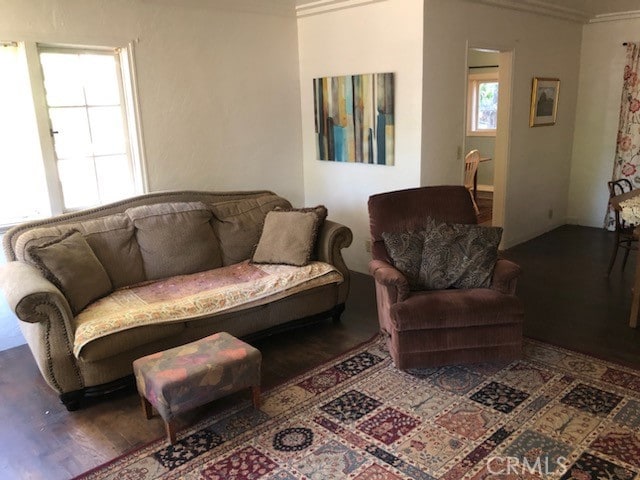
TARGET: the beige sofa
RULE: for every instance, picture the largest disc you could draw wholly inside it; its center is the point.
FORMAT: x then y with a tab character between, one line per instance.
166	256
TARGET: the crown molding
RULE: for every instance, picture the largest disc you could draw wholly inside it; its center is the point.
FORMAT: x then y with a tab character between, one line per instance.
540	7
323	6
614	17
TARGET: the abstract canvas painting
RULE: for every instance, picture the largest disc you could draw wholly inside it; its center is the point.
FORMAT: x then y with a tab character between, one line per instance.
354	118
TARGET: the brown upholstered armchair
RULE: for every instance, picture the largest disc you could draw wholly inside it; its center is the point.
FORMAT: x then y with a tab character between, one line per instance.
440	327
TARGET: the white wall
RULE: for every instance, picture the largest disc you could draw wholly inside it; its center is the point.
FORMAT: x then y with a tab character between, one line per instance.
218	83
539	161
600	87
373	38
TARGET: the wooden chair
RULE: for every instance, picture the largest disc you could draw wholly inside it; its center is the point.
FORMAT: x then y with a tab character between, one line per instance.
624	232
471	162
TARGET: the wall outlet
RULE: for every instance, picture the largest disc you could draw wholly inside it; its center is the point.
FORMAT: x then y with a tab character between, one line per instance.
367	246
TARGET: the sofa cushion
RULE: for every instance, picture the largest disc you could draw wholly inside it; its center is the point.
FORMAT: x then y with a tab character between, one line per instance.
112	239
287	237
69	263
459	256
175	238
238	225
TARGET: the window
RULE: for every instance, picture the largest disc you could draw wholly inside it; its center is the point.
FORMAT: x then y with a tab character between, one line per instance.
482	111
75	105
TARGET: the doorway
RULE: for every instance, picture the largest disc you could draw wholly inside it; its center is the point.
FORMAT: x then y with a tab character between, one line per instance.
487	118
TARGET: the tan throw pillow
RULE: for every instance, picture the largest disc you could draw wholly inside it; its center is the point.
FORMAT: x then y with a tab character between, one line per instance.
69	263
175	238
238	223
287	238
320	211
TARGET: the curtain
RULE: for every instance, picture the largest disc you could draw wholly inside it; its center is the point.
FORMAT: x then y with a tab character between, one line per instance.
627	159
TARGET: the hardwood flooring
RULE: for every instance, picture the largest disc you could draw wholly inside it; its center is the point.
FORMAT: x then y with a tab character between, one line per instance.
568	302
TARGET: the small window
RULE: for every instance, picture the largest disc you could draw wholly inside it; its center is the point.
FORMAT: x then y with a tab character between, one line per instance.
482	111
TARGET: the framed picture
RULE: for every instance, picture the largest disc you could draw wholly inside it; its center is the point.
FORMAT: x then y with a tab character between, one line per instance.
354	118
544	101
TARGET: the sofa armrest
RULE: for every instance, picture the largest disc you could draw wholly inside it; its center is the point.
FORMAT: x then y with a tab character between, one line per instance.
392	279
46	322
332	238
25	288
505	276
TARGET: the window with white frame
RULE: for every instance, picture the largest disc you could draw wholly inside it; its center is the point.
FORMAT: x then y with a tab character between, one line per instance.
68	134
482	109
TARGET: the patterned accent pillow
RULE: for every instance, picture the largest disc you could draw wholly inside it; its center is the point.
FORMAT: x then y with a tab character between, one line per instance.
405	250
459	256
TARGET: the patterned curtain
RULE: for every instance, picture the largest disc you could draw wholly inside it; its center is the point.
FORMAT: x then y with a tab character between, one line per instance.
627	159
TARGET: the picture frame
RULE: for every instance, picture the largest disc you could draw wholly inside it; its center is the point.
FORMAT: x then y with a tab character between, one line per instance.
544	101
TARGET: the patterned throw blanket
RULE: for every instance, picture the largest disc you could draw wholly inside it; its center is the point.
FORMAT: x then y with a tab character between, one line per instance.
189	297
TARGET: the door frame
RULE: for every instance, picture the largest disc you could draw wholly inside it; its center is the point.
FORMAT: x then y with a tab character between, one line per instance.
503	130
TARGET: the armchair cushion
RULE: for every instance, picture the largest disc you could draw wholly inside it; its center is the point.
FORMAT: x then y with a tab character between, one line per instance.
459	256
69	263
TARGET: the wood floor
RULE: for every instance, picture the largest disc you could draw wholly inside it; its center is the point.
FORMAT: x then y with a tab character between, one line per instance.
568	302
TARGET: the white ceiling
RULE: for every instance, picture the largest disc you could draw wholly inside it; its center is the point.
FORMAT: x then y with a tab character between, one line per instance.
579	10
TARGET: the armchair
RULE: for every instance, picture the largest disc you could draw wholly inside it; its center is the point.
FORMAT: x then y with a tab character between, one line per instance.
440	327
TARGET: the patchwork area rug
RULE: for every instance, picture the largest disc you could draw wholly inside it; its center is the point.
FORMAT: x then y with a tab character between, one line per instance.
553	414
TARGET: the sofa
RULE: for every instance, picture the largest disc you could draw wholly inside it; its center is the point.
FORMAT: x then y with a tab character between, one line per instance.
95	289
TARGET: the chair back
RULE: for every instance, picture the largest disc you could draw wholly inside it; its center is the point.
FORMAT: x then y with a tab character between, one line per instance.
471	162
405	210
618	187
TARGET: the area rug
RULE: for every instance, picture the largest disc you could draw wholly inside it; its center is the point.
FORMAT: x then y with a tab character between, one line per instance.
553	414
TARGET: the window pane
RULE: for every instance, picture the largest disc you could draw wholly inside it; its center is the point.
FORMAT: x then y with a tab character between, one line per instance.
114	178
101	79
72	139
78	181
23	190
487	105
63	79
107	130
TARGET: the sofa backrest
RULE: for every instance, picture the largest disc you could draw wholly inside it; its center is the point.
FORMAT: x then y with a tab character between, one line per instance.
116	232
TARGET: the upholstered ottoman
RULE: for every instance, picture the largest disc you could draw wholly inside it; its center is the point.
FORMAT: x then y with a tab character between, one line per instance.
185	377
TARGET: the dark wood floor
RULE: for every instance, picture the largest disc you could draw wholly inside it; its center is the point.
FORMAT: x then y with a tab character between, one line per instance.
568	302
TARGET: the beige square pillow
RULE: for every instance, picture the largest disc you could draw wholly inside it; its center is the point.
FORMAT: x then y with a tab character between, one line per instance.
287	238
175	238
69	263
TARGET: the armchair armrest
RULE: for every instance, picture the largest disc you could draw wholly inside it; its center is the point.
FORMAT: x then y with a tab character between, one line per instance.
505	276
332	238
391	278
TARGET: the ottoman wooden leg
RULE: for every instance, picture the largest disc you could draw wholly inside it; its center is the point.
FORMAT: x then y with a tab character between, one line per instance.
171	431
147	408
255	395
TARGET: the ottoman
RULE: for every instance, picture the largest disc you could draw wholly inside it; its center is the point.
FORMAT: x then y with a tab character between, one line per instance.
185	377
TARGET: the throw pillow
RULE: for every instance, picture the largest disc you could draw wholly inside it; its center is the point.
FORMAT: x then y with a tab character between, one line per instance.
459	256
320	211
405	250
175	238
69	263
287	238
